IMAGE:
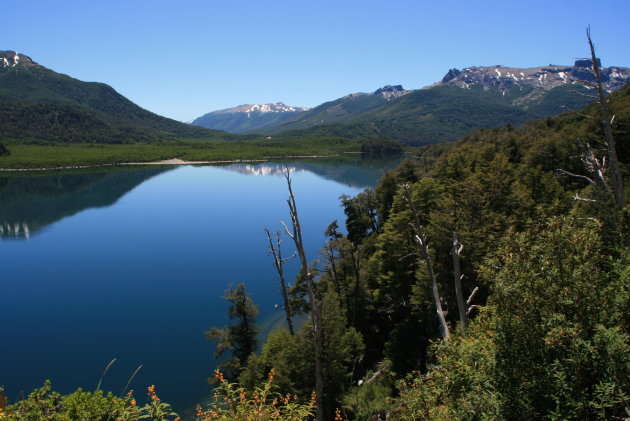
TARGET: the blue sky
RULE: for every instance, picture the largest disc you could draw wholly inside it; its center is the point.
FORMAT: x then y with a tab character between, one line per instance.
184	58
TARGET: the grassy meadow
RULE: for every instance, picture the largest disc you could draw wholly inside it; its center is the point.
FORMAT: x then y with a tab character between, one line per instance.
37	155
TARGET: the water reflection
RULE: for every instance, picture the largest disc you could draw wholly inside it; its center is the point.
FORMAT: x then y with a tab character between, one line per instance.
29	204
352	172
17	230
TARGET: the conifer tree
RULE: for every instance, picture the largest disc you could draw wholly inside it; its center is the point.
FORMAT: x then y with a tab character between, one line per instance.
240	337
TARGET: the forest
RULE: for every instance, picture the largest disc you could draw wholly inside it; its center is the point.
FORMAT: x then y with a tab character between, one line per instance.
489	282
486	279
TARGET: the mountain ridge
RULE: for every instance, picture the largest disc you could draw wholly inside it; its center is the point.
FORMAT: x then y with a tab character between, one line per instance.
544	77
473	98
247	117
39	103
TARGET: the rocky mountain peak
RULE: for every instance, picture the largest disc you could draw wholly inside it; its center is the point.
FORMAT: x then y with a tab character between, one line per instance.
391	91
12	59
586	63
450	75
540	78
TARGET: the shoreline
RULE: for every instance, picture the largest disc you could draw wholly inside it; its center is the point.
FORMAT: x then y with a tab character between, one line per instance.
171	161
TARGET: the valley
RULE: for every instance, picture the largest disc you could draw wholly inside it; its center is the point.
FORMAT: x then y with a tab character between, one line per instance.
419	235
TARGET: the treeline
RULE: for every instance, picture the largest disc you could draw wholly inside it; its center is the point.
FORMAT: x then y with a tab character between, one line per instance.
540	326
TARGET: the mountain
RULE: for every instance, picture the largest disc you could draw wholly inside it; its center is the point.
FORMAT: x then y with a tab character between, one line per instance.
464	100
248	117
38	103
539	78
340	109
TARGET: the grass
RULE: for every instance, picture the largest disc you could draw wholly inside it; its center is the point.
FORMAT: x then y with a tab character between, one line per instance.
33	155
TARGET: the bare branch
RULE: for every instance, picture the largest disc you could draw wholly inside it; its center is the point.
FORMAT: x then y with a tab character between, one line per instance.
590	180
286	229
470	309
582	199
373	378
457	276
472	295
276	252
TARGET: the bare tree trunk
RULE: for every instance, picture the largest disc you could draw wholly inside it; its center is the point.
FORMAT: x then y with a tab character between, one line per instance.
606	120
278	262
423	251
457	275
355	255
330	255
316	310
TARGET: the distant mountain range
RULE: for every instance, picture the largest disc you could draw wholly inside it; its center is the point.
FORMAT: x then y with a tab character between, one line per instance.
247	117
39	104
272	118
464	100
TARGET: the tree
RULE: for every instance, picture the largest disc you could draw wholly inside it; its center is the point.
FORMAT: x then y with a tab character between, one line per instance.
562	339
240	337
292	357
606	120
4	151
423	252
315	305
278	263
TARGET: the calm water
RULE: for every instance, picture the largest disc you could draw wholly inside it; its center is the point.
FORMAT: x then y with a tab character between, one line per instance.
132	264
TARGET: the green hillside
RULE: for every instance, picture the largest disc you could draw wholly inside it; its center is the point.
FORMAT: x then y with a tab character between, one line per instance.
331	112
438	114
38	103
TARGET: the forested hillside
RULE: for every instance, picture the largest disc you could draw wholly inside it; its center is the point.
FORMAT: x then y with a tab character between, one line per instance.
37	103
530	266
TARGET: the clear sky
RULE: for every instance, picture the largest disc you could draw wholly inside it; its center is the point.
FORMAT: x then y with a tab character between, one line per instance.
184	58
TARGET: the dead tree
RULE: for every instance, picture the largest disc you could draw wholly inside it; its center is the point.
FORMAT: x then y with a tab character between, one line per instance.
423	252
456	251
606	120
355	254
311	288
278	263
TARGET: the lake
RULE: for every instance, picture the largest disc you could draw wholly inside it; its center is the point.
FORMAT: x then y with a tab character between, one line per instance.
132	264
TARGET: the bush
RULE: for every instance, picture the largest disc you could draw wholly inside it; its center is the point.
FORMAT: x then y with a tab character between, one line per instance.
43	404
232	403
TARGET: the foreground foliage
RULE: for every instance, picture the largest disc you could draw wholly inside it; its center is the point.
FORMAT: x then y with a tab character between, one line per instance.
552	344
43	404
233	403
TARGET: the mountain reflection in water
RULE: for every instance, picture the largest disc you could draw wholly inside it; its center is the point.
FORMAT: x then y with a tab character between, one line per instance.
28	204
355	173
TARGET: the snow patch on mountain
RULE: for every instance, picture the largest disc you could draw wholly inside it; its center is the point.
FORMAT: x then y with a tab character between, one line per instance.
544	77
278	107
10	59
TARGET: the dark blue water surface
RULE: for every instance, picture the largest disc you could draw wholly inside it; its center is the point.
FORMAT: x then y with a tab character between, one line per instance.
133	264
